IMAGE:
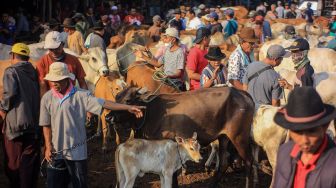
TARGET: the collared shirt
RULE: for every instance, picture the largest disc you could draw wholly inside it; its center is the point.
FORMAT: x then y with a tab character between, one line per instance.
76	42
237	65
66	117
60	95
302	170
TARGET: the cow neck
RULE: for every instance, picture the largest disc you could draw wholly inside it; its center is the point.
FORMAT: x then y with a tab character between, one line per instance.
179	155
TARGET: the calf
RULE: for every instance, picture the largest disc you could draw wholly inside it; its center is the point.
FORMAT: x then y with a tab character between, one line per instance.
163	157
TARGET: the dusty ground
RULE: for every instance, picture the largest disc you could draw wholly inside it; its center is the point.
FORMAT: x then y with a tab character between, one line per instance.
101	172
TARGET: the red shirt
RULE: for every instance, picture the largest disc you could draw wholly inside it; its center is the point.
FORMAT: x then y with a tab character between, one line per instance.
302	170
196	62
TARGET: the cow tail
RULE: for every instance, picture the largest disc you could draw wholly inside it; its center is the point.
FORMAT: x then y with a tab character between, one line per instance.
118	167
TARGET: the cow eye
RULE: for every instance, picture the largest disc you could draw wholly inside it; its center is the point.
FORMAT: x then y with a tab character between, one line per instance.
94	59
192	149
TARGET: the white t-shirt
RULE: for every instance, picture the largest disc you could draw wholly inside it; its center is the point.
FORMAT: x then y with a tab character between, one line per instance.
195	23
280	11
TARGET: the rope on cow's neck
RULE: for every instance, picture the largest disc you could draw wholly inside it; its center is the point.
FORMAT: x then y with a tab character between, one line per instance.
162	77
182	164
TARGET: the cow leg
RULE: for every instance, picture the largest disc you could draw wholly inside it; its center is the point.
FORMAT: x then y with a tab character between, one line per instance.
175	181
105	129
213	153
223	160
256	150
130	174
162	180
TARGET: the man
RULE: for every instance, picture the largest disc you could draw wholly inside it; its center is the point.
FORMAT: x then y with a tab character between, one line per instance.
215	25
231	25
19	111
134	18
309	13
261	7
7	30
251	22
304	71
292	13
172	60
176	22
196	60
201	10
90	17
154	31
287	9
290	33
62	117
280	10
332	25
261	80
115	18
272	14
96	38
80	24
194	21
75	39
109	32
241	57
309	158
53	43
266	26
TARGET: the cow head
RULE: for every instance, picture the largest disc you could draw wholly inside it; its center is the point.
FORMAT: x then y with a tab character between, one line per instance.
191	146
132	95
97	60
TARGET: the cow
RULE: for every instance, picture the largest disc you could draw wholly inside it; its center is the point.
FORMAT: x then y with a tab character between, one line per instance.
136	157
107	88
221	113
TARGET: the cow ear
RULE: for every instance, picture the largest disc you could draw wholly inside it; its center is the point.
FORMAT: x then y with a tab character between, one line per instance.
194	136
179	140
142	91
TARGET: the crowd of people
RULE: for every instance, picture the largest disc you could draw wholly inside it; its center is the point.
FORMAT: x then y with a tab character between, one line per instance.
50	88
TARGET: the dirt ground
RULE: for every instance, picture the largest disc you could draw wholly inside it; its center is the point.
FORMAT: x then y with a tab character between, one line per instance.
101	172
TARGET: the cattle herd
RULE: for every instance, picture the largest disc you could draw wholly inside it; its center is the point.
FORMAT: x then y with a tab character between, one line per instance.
220	117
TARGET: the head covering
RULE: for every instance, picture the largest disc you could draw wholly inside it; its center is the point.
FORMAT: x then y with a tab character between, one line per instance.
214	54
53	22
247	34
201	33
156	18
58	71
213	15
172	32
299	45
201	6
53	40
21	49
68	23
333	13
98	25
309	4
289	29
229	12
114	8
252	14
259	18
275	51
78	15
177	11
104	18
304	110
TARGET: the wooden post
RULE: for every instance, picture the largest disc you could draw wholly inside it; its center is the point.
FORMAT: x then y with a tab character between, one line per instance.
43	10
50	10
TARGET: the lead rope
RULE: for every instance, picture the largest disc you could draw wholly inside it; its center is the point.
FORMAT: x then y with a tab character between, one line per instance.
182	164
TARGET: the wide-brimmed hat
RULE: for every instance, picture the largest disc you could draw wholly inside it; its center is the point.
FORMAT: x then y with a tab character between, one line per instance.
98	25
68	23
247	34
53	40
58	71
304	110
201	33
300	44
214	54
172	32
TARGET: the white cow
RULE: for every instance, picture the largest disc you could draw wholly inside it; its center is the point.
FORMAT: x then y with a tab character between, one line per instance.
136	157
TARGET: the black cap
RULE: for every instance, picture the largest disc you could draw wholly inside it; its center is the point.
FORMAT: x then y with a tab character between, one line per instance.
98	25
290	29
201	33
299	45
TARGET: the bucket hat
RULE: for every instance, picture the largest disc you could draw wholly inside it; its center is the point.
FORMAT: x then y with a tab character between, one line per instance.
214	54
58	71
172	32
304	110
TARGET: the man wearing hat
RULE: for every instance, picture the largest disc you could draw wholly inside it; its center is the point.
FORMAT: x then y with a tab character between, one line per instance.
19	109
214	73
292	13
332	25
309	158
75	41
172	60
287	9
96	38
176	22
201	10
241	57
231	25
80	24
309	13
215	25
290	33
154	31
115	18
251	22
196	60
304	71
194	21
261	80
134	18
54	44
62	116
280	10
54	25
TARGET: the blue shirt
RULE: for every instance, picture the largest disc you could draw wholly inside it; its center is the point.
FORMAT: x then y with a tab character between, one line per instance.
332	28
231	28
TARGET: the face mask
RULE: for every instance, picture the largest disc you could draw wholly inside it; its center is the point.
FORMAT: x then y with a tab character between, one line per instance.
166	44
298	56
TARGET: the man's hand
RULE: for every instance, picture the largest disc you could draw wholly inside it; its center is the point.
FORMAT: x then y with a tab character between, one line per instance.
136	110
48	153
283	83
215	73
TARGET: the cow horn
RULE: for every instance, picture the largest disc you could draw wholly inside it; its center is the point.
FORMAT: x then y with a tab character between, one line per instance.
142	91
194	136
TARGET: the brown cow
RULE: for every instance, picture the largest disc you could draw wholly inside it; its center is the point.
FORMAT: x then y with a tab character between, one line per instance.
107	88
214	113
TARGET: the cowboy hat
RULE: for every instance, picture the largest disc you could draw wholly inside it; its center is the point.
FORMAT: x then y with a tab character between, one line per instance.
304	110
247	34
214	54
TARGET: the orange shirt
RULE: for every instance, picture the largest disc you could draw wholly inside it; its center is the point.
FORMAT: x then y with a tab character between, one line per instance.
73	63
302	170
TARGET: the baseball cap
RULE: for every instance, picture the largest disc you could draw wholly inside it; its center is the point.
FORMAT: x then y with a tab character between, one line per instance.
58	71
299	45
53	40
201	33
114	8
21	49
290	29
229	11
213	15
276	51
